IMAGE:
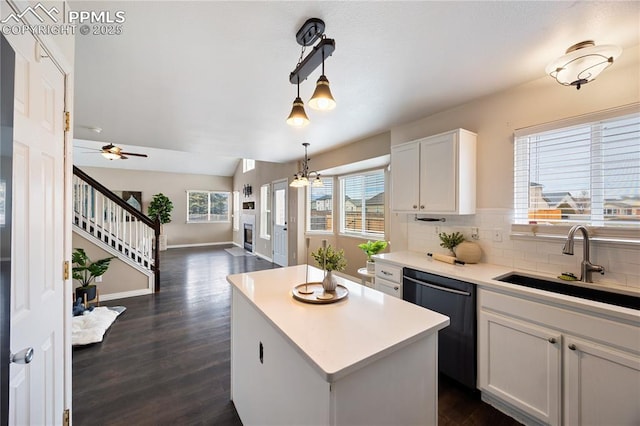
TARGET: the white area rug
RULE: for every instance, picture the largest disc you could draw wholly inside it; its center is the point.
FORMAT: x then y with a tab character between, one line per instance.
90	327
238	251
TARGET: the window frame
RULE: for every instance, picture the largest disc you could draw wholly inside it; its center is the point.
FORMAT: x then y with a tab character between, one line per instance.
599	230
265	211
209	192
364	235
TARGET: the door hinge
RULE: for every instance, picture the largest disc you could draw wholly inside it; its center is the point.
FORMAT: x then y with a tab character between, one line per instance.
65	273
65	417
67	121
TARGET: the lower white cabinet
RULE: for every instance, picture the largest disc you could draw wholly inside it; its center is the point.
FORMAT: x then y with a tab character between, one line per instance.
389	278
550	365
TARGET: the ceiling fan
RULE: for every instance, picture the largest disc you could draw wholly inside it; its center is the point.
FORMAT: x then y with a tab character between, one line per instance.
113	152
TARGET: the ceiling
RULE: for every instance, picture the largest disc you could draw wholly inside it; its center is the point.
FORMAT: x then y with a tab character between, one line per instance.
209	81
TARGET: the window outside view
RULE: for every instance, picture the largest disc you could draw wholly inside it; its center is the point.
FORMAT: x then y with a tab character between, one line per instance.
362	205
588	173
208	206
320	204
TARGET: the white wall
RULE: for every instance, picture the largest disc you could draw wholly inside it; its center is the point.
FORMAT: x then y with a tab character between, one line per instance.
494	118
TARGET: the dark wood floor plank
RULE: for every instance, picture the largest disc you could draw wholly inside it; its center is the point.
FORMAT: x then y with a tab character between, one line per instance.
166	359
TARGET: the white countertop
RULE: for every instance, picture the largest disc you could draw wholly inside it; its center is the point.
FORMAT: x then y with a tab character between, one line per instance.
341	337
482	274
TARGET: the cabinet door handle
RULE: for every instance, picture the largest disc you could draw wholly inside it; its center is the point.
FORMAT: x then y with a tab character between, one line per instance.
415	206
552	340
572	347
422	207
261	353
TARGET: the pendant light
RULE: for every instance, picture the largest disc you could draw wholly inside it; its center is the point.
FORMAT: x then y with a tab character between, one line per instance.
304	177
582	63
322	98
298	117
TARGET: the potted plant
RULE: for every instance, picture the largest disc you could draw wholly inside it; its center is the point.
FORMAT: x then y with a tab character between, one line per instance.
160	208
329	260
370	248
450	241
85	272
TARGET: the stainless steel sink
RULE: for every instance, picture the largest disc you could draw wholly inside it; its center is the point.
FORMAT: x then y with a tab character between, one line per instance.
569	289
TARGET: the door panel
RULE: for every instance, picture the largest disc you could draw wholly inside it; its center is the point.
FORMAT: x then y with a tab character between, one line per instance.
37	305
280	236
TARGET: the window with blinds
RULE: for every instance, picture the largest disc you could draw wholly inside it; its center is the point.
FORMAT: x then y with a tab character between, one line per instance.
265	211
320	207
586	173
362	204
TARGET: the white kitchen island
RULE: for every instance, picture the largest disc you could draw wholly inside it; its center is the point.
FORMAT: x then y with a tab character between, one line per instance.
370	359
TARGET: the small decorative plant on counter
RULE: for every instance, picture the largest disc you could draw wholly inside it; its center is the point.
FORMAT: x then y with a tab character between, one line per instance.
330	260
450	241
371	248
85	272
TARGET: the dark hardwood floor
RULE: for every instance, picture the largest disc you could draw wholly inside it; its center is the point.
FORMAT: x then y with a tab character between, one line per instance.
166	358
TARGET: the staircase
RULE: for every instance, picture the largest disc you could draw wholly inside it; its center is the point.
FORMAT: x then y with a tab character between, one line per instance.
116	226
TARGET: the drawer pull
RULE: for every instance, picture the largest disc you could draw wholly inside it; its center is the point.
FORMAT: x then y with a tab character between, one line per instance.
261	353
552	340
386	273
572	347
396	288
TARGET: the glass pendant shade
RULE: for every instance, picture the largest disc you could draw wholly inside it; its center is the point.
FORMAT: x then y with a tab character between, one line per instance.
317	182
582	63
298	117
322	98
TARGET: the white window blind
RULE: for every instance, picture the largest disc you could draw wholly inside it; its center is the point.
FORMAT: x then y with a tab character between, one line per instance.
587	173
320	207
265	211
362	204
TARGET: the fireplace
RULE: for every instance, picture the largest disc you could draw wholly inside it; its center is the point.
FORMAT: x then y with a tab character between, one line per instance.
248	237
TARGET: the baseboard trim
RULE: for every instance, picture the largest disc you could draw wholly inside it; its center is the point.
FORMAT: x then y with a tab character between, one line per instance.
125	294
262	256
224	243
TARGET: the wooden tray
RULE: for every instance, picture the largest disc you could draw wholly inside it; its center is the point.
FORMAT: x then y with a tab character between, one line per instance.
318	295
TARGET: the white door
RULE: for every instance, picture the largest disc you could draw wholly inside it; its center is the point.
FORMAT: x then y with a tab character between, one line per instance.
37	390
280	237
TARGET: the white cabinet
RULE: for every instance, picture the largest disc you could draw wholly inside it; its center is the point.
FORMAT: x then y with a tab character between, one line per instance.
553	365
435	175
389	278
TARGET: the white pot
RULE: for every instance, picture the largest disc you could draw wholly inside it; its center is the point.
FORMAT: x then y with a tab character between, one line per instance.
329	283
371	267
162	242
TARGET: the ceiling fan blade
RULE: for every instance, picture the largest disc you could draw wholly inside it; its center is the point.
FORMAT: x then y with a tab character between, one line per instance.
134	154
123	157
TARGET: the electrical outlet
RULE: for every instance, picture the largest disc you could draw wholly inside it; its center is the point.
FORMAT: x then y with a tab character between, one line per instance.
437	230
99	279
497	235
474	234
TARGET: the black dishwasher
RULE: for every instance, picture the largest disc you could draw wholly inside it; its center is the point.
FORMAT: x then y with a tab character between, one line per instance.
457	300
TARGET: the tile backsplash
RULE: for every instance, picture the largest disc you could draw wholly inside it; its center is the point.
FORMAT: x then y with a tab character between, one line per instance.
540	255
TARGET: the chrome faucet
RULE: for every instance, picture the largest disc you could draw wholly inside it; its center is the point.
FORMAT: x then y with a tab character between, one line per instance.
587	266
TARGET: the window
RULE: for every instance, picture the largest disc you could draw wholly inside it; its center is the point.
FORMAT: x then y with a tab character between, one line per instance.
236	210
248	165
320	207
207	206
362	204
265	212
586	172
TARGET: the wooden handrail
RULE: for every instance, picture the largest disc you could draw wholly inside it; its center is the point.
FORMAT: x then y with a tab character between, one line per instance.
153	224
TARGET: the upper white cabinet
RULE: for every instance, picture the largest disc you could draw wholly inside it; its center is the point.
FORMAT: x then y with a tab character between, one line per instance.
436	174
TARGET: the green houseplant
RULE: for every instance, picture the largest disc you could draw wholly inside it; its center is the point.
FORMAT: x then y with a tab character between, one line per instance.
86	271
330	260
371	248
450	241
160	208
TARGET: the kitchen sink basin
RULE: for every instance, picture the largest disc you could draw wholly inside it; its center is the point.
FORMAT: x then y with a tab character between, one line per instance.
569	289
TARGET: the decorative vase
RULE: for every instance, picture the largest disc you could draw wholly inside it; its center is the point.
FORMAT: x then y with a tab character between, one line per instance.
469	252
371	267
329	282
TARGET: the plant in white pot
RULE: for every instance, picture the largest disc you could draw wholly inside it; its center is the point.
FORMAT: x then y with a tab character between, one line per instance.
86	271
371	248
160	208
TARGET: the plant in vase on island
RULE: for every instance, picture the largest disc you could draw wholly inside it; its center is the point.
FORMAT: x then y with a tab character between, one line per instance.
85	272
329	259
372	248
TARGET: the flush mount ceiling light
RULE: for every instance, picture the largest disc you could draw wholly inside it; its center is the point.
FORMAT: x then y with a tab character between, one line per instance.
311	30
582	63
304	176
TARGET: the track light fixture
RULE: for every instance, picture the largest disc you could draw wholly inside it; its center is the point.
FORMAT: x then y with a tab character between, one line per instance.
305	177
322	99
582	63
